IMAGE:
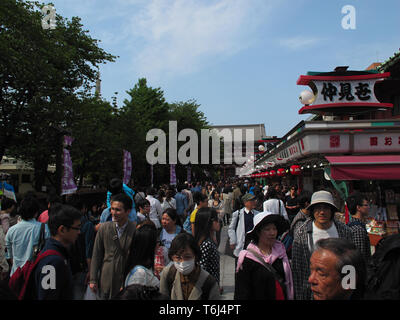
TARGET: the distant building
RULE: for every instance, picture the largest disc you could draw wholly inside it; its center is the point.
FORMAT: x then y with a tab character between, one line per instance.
242	136
20	174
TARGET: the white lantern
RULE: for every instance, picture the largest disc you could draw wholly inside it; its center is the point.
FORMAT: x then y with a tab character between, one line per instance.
306	97
261	148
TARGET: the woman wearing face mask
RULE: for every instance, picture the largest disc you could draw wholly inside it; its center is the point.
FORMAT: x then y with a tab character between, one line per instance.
184	279
263	271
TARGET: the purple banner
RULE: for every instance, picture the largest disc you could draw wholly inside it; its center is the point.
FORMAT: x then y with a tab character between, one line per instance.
68	185
189	174
127	167
151	174
172	174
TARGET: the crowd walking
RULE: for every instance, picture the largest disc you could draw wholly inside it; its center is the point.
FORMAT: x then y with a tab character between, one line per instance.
162	244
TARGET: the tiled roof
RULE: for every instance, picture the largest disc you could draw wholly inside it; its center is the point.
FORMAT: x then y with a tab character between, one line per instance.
390	62
374	66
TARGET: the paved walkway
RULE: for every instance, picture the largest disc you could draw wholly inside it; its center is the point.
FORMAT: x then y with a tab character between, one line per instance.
227	266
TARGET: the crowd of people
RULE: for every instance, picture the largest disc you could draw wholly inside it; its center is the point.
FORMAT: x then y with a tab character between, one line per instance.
144	243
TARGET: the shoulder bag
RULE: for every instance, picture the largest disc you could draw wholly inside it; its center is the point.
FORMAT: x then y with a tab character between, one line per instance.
271	269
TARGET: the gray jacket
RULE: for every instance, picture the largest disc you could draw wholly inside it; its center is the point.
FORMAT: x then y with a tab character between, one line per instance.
108	263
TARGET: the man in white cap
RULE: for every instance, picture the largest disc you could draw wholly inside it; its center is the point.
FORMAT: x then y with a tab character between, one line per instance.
322	225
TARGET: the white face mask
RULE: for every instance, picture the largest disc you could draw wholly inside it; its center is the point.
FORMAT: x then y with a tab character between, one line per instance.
185	267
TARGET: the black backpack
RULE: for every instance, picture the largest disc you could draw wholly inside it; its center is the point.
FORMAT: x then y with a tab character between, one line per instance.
384	270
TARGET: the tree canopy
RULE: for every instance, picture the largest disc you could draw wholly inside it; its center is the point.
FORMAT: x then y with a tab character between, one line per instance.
46	81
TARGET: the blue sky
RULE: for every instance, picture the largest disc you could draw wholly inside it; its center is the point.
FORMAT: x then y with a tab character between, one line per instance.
239	59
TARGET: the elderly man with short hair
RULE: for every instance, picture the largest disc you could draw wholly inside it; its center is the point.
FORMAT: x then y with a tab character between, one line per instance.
338	271
242	222
322	225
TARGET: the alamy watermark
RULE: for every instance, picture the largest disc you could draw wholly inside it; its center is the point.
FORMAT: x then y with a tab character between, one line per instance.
349	280
49	278
49	20
349	20
189	151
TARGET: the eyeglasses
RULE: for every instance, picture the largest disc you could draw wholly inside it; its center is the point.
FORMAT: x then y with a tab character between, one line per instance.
365	205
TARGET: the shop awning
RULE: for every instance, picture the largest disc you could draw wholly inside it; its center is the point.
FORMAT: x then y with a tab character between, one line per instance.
377	167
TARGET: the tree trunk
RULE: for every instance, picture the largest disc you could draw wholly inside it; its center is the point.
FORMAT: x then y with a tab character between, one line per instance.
40	166
2	151
3	146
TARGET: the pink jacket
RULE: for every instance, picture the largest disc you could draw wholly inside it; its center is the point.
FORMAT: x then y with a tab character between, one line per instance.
278	251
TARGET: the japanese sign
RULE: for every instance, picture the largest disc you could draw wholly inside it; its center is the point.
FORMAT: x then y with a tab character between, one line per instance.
377	142
333	91
357	91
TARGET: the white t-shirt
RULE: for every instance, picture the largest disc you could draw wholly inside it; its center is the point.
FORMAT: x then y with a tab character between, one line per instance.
324	234
166	238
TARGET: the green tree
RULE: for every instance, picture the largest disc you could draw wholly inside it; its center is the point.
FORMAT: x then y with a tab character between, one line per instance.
41	71
146	109
188	116
96	151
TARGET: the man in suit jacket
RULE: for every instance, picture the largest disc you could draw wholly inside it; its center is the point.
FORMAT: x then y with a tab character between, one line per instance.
322	225
111	247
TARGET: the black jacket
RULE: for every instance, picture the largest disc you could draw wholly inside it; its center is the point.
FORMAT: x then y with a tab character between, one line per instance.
63	278
384	270
255	282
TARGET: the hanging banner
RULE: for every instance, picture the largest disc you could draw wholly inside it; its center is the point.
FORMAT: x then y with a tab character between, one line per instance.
127	167
172	174
189	174
151	174
340	187
68	185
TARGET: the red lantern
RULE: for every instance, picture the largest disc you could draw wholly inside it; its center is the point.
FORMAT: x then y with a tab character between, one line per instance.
265	174
281	172
295	170
272	173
